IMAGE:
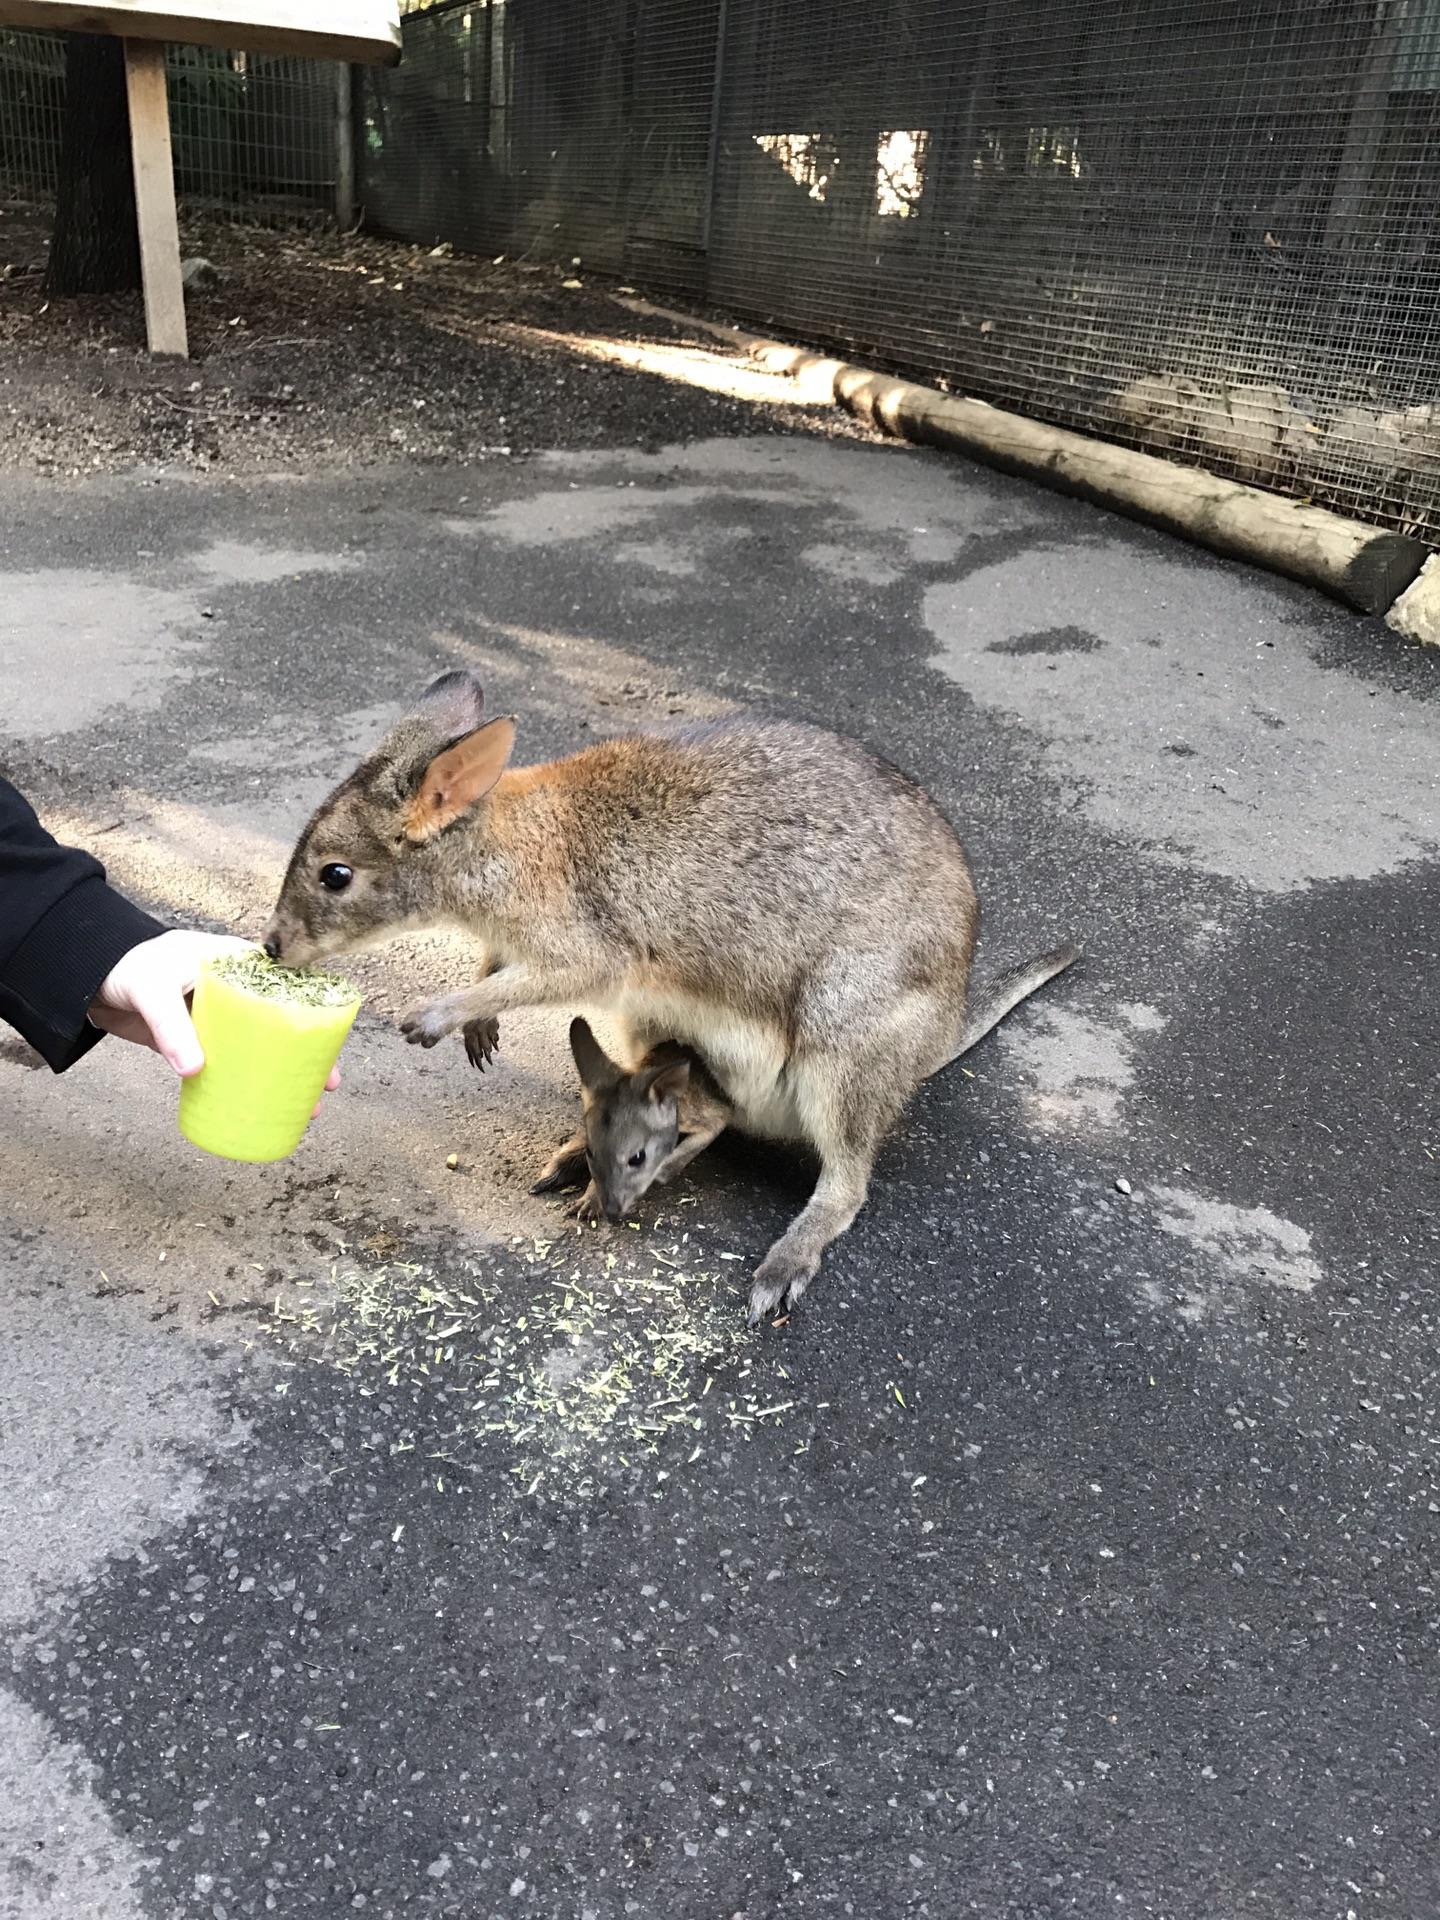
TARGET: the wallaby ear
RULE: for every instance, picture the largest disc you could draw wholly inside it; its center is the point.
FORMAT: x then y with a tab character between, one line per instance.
454	704
598	1072
669	1081
457	778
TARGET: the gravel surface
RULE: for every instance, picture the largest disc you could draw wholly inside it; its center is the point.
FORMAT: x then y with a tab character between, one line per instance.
314	350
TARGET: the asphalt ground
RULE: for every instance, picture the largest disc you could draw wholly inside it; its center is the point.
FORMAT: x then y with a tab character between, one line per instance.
375	1541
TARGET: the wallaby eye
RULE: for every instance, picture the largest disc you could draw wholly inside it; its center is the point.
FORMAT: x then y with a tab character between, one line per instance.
335	877
638	1159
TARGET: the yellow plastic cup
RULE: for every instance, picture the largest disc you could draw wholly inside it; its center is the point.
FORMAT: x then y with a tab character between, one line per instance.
266	1064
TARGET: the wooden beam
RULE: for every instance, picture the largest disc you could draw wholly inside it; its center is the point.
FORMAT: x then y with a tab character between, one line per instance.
155	197
364	32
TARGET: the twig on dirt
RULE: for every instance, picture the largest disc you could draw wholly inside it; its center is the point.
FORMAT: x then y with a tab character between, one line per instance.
245	346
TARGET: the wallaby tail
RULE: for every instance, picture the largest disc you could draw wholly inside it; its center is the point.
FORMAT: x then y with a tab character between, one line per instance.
996	997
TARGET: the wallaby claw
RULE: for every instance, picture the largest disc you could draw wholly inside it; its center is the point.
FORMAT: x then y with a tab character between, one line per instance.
482	1041
781	1276
587	1209
765	1297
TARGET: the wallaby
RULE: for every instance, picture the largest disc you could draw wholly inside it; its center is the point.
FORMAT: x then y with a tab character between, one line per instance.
638	1127
793	908
648	1124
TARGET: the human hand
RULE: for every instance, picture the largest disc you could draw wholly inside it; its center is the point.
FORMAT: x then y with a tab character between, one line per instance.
146	997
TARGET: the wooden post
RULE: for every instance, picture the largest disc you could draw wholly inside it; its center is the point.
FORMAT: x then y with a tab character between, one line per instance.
155	197
344	147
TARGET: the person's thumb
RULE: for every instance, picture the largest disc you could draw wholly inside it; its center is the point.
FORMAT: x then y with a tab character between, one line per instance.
172	1031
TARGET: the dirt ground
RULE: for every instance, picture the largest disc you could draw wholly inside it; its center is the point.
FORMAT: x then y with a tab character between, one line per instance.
319	350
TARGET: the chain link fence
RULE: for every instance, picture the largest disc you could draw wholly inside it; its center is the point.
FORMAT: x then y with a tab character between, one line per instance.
252	136
1201	227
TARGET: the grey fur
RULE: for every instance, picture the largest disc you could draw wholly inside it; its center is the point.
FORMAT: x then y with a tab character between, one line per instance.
795	910
670	1123
998	996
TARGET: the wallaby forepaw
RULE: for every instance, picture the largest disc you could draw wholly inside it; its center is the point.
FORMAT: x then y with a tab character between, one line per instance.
781	1275
482	1041
428	1024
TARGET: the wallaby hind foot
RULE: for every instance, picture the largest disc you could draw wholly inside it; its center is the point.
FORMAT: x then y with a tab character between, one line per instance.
566	1167
794	1260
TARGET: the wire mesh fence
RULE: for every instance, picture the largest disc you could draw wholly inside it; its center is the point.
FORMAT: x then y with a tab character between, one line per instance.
252	136
1201	227
577	127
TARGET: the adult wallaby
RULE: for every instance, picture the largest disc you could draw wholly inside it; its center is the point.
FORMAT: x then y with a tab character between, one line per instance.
774	896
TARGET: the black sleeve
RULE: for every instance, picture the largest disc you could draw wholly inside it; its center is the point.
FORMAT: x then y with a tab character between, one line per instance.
61	931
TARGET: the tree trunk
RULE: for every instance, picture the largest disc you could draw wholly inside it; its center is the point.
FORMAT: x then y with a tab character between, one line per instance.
95	247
